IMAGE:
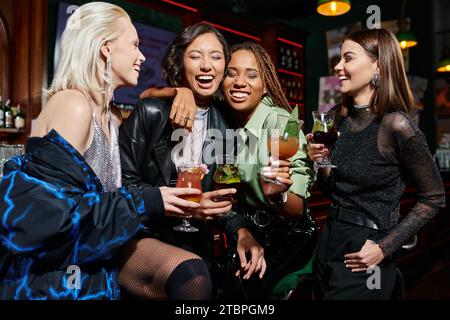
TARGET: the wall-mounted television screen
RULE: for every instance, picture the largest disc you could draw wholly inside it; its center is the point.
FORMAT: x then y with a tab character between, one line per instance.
153	44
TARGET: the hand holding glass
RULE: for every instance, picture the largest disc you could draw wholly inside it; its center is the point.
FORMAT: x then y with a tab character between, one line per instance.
226	176
283	142
189	176
324	132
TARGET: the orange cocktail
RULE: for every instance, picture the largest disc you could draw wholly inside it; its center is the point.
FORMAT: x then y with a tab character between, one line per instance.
282	148
190	177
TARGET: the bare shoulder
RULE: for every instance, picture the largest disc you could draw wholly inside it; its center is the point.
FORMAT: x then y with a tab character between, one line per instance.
69	103
67	112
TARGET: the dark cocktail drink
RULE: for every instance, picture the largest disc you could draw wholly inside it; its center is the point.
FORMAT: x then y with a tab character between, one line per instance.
324	132
327	138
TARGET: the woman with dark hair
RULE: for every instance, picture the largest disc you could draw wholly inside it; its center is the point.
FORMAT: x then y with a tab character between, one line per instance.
378	148
196	59
278	215
65	214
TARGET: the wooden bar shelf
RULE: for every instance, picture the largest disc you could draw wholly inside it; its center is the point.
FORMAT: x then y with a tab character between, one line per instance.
11	131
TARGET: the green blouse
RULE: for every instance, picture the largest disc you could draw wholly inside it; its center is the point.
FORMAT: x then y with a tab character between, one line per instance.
255	154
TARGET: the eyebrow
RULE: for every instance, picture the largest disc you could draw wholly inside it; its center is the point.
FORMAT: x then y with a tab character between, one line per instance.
199	51
246	69
349	52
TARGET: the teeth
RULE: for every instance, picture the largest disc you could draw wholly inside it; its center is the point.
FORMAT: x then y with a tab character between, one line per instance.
342	78
206	78
239	94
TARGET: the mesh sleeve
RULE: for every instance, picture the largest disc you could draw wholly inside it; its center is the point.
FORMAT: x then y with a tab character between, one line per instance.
418	166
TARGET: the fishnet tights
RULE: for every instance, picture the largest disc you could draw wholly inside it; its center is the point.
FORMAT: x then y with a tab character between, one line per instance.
146	264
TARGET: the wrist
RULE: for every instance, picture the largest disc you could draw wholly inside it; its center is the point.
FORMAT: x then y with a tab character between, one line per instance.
242	232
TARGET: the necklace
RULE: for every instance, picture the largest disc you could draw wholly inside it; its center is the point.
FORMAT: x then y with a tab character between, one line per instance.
361	107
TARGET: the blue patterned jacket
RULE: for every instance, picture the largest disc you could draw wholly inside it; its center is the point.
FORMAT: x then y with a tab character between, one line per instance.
59	232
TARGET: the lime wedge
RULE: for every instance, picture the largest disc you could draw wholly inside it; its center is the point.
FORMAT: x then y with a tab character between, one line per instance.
291	129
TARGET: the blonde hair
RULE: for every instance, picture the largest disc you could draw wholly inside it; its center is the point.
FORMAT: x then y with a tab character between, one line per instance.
80	65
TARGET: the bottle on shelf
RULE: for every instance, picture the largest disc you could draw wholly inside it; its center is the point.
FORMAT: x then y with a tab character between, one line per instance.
9	120
282	57
296	61
2	113
19	121
296	91
300	91
289	59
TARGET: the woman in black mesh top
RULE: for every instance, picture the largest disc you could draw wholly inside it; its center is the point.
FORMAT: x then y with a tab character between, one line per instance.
379	147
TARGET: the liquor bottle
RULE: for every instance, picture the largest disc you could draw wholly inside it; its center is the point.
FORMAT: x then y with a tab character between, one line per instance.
289	89
19	121
295	91
300	91
296	62
282	57
2	113
9	120
289	59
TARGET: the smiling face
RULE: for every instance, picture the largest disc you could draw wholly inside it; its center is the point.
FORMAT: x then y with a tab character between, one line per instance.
355	70
125	56
204	66
243	86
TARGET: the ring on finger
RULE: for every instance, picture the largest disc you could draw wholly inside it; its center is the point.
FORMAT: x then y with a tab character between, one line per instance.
186	118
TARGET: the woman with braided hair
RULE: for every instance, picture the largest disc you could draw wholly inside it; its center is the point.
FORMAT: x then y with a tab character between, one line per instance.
157	263
253	91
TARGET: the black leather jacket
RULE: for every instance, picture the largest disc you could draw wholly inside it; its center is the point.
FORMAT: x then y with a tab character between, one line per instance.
145	145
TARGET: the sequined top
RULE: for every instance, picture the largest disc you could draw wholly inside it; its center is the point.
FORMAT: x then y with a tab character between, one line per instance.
103	155
375	159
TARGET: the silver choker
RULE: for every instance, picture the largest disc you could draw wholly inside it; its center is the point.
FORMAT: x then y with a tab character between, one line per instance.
361	107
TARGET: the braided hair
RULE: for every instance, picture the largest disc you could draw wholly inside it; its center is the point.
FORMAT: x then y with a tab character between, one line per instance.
267	72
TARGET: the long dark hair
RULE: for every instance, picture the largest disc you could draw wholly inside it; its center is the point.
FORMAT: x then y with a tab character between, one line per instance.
393	92
267	72
172	64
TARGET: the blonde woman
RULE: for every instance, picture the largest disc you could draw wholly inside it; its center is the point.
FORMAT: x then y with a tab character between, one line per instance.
64	214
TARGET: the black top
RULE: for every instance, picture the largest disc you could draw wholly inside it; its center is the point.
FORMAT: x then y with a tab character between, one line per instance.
374	159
